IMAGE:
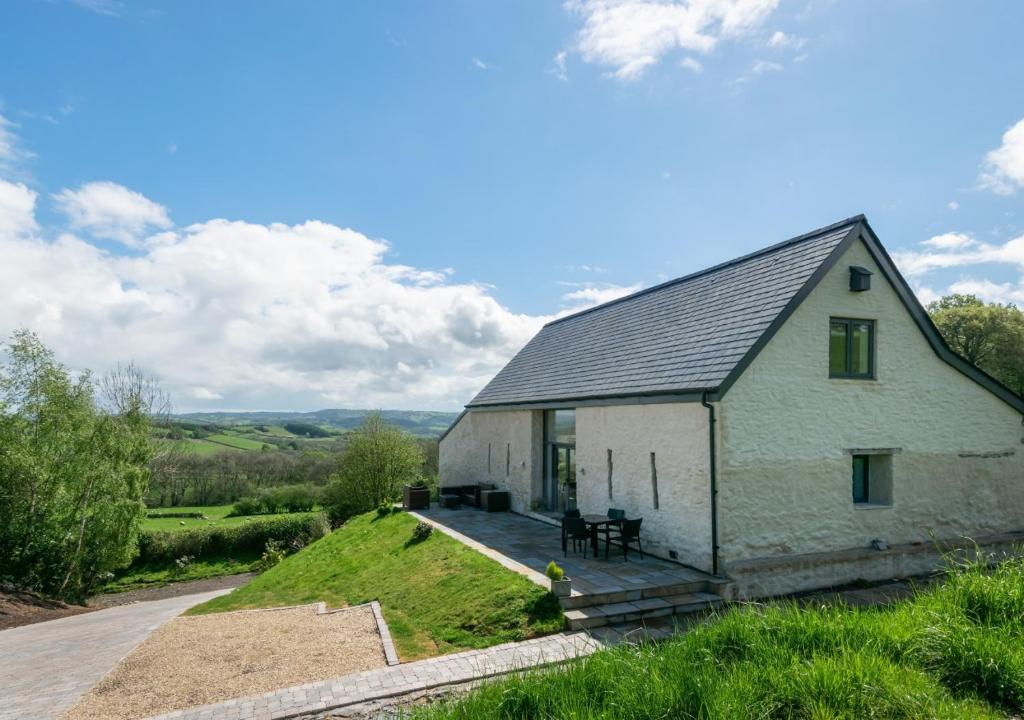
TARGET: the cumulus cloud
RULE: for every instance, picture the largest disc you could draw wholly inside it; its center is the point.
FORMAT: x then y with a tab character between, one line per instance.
630	36
1002	171
961	250
112	211
233	314
780	41
17	209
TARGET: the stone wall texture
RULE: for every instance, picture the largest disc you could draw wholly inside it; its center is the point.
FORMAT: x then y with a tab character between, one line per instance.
677	434
785	429
513	441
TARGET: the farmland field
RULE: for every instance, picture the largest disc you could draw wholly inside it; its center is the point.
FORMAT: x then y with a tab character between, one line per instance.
216	515
236	441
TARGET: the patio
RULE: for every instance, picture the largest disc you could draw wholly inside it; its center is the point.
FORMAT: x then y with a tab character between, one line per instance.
527	545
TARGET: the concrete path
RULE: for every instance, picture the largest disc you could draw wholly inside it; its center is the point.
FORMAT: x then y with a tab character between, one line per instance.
46	667
458	668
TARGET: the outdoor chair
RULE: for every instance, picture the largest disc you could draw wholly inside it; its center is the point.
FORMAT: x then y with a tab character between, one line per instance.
629	532
576	530
571	513
611	531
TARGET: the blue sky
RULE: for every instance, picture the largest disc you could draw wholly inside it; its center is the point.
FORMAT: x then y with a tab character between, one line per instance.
474	168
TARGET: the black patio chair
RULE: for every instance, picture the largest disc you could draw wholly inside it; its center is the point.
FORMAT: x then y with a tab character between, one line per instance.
574	513
611	530
575	529
629	532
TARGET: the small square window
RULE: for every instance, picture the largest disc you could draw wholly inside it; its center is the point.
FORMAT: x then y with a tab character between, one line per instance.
872	480
851	348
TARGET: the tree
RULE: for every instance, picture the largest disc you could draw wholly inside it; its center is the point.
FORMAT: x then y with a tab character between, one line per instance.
73	471
988	335
379	459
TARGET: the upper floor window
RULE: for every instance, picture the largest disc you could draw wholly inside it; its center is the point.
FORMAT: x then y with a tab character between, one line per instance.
851	348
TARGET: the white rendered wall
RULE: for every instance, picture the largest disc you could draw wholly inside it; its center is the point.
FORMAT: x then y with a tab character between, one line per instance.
678	435
785	480
513	440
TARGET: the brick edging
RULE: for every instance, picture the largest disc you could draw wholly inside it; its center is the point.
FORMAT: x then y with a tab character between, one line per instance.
385	635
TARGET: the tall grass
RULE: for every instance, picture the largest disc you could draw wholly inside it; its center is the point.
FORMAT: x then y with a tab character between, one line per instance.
954	650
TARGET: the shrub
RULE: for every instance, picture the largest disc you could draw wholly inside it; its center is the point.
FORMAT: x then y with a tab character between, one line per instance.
422	531
162	547
273	553
385	508
246	506
182	564
554	572
192	515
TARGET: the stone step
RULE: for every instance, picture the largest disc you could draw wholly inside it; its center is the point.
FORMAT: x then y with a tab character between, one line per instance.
617	596
643	608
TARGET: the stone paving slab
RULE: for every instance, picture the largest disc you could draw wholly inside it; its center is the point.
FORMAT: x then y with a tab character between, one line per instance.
312	698
46	667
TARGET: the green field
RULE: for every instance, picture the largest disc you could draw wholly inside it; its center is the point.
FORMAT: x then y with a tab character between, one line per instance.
236	441
438	595
216	515
203	447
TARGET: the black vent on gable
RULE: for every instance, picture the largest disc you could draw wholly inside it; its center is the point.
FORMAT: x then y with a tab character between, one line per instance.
860	279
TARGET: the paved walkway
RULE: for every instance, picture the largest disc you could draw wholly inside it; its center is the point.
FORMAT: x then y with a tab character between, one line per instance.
394	681
526	546
46	667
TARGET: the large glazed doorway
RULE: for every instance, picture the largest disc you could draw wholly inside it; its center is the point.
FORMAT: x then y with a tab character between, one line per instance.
560	460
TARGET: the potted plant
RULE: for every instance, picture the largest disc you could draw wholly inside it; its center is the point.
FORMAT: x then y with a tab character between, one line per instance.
561	586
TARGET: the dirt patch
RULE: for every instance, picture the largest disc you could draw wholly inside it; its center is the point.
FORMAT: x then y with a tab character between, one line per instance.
22	607
187	587
204	659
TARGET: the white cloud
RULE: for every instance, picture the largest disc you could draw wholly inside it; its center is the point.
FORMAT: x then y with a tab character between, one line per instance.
990	291
588	296
12	154
781	41
480	64
950	241
762	66
957	250
112	211
559	69
244	315
17	210
689	63
953	205
111	8
1002	171
630	36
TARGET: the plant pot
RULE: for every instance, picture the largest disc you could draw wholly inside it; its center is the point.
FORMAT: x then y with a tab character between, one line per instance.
561	588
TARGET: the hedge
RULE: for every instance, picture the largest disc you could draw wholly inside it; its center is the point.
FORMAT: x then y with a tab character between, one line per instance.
161	546
192	515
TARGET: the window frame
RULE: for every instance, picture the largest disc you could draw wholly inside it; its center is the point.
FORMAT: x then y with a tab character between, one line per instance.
849	323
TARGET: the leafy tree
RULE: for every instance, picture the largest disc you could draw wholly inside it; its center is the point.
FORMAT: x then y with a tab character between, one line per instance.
989	335
73	470
379	459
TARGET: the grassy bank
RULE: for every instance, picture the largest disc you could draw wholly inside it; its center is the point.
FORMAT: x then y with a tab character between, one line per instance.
437	595
953	651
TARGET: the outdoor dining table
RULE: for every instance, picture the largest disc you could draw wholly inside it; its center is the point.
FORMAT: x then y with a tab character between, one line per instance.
594	524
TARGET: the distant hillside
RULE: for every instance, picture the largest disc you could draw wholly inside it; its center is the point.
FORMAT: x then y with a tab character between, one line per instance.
418	422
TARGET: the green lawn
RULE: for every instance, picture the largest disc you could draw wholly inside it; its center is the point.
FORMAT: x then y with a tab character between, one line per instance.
216	514
236	441
438	596
953	651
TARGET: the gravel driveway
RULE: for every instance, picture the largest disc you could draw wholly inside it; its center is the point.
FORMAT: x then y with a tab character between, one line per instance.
46	667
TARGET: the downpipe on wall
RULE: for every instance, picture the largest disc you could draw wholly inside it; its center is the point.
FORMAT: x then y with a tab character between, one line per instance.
714	482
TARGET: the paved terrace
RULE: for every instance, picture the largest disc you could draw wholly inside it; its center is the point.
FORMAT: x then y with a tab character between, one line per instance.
527	546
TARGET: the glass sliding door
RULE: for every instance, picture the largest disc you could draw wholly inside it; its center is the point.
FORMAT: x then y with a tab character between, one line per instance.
560	460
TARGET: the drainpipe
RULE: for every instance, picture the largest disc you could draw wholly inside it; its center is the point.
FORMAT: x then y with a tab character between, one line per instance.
714	482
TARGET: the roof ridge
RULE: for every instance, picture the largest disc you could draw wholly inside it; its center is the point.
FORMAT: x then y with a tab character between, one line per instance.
714	268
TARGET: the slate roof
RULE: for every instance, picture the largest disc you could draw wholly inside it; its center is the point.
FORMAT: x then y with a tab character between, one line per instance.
684	336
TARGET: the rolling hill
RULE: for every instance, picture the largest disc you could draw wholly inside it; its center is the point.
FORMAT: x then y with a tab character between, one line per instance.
423	423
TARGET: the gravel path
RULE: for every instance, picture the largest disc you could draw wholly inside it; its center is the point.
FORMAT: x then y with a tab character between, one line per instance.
45	667
207	658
